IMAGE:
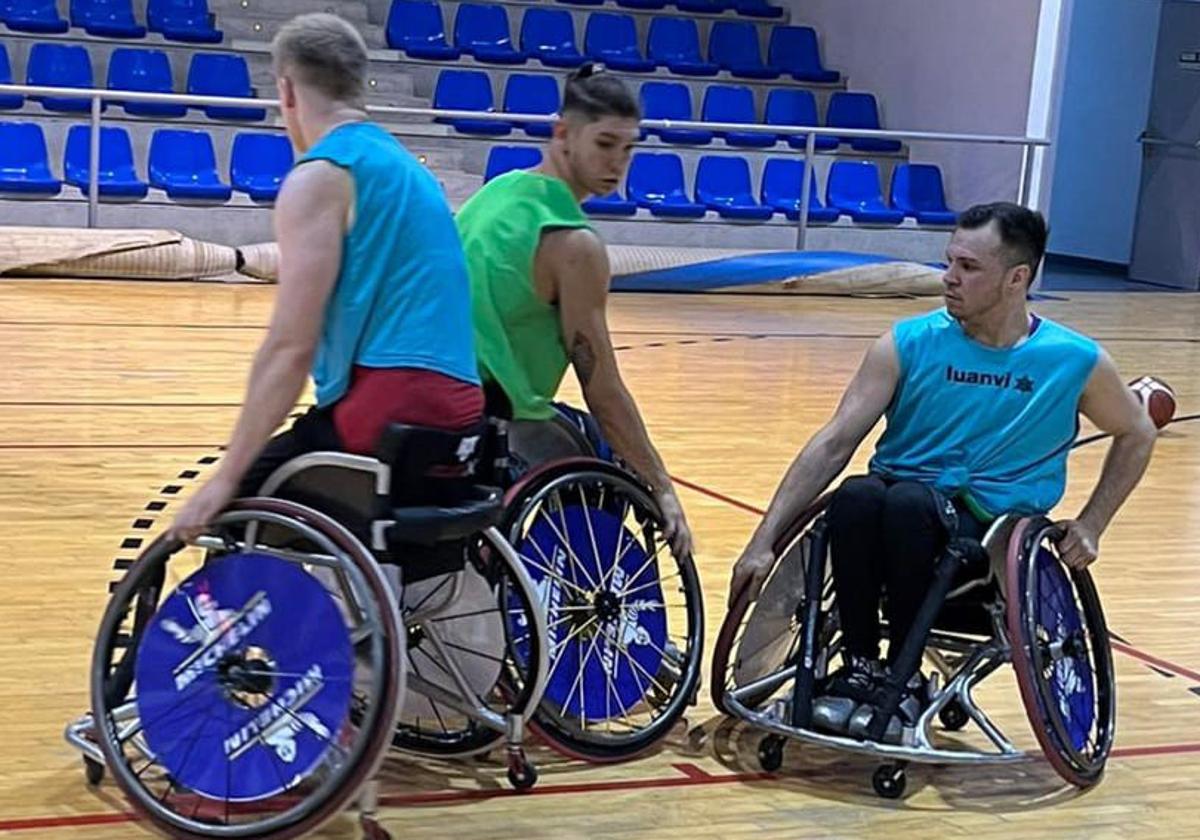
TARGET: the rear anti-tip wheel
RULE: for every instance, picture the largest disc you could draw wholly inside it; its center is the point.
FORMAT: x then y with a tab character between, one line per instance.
522	775
93	770
889	781
770	753
953	716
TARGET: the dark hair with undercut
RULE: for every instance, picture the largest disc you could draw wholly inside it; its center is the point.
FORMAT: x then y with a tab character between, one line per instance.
595	94
1023	232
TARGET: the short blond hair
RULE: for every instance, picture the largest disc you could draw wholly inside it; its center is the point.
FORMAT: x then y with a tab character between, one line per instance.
325	52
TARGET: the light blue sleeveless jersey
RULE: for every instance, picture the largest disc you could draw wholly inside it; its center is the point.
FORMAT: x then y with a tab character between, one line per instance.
992	425
402	299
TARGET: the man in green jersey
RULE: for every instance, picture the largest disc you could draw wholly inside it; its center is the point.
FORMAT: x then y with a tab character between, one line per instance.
539	283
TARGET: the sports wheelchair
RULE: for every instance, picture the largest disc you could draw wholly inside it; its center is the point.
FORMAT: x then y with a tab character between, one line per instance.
1007	598
357	603
624	616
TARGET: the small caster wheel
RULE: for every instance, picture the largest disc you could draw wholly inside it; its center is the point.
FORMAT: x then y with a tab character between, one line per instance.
889	781
93	770
522	776
953	716
770	753
372	830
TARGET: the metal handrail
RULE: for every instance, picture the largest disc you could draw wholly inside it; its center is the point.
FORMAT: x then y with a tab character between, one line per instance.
98	96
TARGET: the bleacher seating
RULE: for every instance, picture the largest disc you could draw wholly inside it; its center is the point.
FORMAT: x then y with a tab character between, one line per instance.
417	27
184	164
733	46
39	16
118	176
671	101
674	43
258	163
481	30
656	183
468	90
793	50
503	159
796	107
106	18
703	7
212	74
8	101
723	184
183	20
782	181
755	8
734	104
917	191
24	161
612	39
549	36
858	110
853	188
146	71
645	5
60	65
532	94
610	205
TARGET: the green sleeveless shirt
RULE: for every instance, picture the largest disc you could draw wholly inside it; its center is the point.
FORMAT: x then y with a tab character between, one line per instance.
518	336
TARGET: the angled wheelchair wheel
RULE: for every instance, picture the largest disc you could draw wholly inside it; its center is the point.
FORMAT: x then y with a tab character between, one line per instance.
261	700
476	653
1061	654
759	638
624	617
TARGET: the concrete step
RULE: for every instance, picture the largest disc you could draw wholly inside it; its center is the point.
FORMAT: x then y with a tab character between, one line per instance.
238	25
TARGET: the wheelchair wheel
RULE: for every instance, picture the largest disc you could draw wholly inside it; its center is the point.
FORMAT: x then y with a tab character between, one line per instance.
1061	653
486	629
758	638
624	617
261	703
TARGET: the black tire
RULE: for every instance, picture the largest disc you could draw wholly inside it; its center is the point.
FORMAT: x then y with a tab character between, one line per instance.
607	494
953	716
93	770
770	753
303	805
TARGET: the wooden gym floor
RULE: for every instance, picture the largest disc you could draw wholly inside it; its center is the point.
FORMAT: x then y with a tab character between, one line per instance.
116	396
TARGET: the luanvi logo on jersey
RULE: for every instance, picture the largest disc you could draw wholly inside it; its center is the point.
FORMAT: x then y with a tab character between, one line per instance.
994	380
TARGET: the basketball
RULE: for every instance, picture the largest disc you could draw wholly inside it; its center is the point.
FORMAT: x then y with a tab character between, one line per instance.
1157	396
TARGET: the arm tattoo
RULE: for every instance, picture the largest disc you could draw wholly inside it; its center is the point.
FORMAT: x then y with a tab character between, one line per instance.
583	357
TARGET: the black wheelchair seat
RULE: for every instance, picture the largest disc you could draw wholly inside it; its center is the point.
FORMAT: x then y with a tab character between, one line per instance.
428	525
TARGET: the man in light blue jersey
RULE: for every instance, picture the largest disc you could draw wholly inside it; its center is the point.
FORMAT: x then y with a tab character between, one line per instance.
373	298
982	400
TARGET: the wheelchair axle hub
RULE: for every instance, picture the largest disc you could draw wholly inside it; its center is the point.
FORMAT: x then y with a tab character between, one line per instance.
607	606
246	678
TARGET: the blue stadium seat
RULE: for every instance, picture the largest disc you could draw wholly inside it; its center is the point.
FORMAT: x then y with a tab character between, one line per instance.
24	162
8	100
259	163
733	45
183	163
549	36
106	18
671	101
416	26
796	107
734	104
468	90
793	50
917	191
612	39
642	4
703	7
503	159
723	184
118	176
60	65
147	71
756	8
39	16
530	94
858	110
853	188
583	2
610	205
481	29
674	43
212	74
656	183
183	20
781	182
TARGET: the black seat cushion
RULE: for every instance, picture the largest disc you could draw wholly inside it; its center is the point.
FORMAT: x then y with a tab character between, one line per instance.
478	508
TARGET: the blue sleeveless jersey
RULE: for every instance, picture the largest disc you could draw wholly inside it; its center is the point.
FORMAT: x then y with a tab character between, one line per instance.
402	299
991	425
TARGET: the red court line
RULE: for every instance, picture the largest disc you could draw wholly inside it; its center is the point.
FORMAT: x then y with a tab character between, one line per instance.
720	497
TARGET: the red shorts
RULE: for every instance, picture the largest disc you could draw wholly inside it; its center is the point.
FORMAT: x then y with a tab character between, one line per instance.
380	396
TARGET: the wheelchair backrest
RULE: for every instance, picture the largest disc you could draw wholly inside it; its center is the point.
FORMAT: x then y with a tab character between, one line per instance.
431	466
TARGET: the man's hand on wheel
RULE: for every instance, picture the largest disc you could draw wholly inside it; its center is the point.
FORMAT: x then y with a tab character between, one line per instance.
675	527
202	508
750	572
1080	544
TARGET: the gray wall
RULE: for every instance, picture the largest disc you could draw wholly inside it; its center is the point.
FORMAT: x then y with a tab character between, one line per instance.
939	65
